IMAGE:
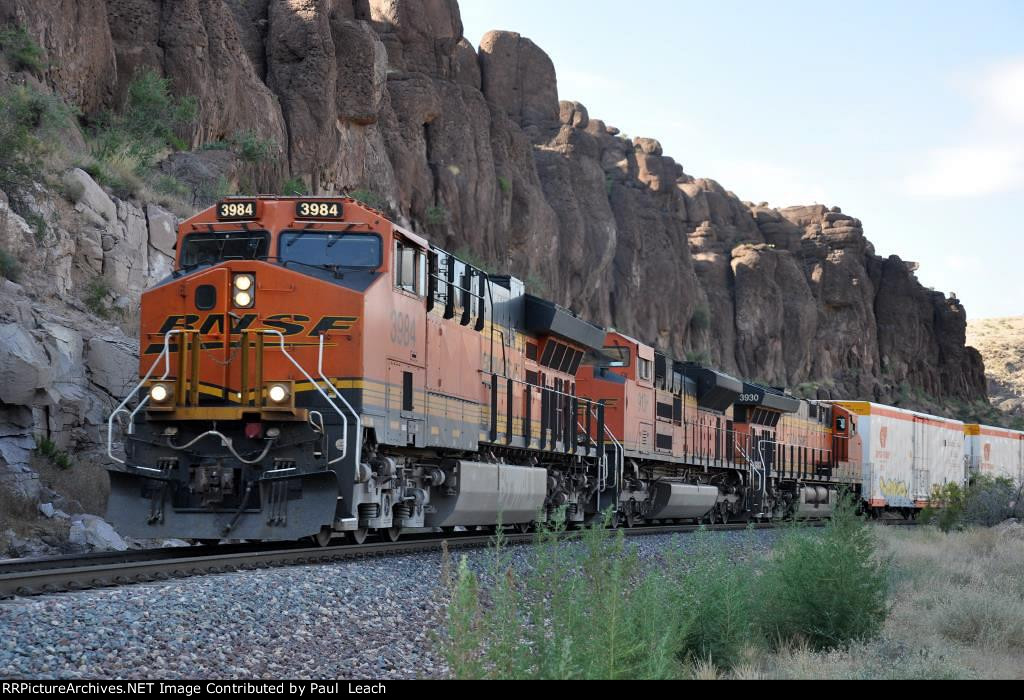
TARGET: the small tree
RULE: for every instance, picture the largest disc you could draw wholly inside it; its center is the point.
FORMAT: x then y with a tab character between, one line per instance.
825	590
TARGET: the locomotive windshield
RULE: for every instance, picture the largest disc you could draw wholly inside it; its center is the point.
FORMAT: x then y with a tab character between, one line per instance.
330	249
210	248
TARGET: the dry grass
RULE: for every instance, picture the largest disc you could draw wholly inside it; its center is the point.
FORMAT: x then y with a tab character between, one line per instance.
14	511
957	612
85	485
20	516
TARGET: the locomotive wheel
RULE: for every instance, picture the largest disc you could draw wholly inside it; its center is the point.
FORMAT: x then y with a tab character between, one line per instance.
323	538
523	527
725	513
359	536
630	520
393	533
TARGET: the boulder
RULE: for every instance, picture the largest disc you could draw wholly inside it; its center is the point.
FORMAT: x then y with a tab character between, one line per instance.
90	196
113	364
163	230
96	533
24	366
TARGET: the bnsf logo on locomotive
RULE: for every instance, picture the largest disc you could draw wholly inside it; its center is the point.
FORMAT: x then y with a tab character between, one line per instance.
287	324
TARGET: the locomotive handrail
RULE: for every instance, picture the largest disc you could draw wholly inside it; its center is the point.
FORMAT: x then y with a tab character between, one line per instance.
121	408
359	422
620	451
316	385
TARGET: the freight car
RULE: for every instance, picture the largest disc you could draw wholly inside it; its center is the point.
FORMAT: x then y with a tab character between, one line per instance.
905	455
995	452
314	370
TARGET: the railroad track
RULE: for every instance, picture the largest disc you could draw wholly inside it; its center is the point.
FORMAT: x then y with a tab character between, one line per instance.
26	577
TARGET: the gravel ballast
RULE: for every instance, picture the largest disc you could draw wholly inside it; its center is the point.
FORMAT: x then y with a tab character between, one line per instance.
374	618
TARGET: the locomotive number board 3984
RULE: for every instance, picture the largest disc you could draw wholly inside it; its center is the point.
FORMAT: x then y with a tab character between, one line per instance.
318	210
237	210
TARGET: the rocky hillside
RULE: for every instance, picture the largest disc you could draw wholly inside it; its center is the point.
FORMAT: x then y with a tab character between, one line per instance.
385	99
1001	343
474	146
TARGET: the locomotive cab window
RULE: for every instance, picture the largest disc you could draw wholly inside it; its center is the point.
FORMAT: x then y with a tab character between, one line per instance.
410	268
643	369
616	356
330	250
212	248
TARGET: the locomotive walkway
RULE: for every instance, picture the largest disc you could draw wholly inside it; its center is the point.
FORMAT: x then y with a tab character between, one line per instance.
105	569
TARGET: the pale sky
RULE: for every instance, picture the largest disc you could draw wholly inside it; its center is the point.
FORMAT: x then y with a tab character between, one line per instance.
909	115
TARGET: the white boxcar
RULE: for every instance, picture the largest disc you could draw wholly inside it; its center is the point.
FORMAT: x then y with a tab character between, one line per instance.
995	451
905	454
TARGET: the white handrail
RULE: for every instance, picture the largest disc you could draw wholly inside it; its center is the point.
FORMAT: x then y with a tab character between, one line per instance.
359	420
316	385
164	354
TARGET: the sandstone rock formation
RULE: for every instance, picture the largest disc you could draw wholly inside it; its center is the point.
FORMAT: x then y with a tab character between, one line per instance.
1001	343
474	148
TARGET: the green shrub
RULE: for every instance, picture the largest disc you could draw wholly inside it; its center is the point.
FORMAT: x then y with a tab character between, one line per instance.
702	357
251	148
38	224
30	122
984	502
370	199
825	590
988	501
21	49
716	599
170	186
96	297
121	171
148	126
48	448
582	613
701	319
437	216
9	266
293	187
595	611
945	508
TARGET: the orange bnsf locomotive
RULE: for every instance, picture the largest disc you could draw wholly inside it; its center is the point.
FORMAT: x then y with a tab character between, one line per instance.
313	370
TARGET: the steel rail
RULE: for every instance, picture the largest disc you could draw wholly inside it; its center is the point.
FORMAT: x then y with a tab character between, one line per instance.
106	569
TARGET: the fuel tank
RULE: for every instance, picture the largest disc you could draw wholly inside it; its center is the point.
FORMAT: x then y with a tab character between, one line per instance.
672	500
477	493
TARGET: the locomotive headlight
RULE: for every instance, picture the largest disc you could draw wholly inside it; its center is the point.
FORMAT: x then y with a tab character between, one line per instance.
278	393
243	292
159	393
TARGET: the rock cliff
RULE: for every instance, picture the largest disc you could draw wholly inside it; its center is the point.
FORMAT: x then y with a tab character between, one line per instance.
473	147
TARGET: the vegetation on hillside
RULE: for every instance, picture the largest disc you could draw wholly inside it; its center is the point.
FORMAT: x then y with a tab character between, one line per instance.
31	123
